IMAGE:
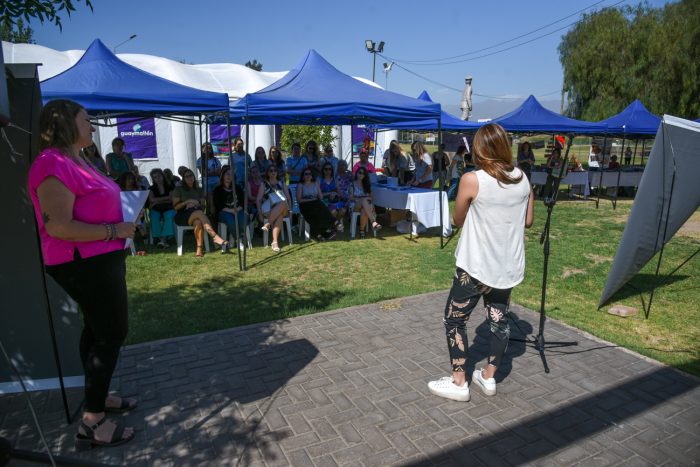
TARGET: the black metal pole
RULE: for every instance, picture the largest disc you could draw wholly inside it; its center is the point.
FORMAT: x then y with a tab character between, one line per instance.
619	172
600	173
245	196
245	170
539	341
441	183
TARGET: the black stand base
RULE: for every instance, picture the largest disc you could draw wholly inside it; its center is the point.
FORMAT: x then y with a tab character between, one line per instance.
539	344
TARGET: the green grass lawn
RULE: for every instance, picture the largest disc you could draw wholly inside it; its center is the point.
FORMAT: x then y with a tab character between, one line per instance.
173	296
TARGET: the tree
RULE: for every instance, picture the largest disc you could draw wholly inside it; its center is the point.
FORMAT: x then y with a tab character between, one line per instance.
21	35
620	54
302	134
254	64
44	10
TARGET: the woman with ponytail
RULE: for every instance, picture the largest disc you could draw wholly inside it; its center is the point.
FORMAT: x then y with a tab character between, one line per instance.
494	206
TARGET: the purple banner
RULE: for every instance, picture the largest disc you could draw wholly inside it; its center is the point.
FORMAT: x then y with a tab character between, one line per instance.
362	136
218	137
139	137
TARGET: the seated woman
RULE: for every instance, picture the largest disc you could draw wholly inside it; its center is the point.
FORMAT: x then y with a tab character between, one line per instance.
331	195
188	201
161	208
255	181
423	177
364	162
316	213
343	182
92	155
362	196
228	202
261	159
273	203
275	156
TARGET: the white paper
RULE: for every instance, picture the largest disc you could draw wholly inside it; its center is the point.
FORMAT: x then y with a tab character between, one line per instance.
132	204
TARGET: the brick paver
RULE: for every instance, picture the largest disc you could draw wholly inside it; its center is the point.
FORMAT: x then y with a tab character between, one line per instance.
349	388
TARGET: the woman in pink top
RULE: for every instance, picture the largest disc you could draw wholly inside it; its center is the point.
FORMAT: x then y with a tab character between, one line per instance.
364	162
79	215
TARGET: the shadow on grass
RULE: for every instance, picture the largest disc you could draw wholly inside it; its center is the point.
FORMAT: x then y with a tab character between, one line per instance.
220	302
643	284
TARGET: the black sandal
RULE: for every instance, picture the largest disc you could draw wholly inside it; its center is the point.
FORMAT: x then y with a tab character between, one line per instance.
124	406
87	441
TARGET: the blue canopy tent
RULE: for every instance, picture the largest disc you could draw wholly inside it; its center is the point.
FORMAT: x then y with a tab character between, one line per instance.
634	121
314	92
531	117
104	84
447	121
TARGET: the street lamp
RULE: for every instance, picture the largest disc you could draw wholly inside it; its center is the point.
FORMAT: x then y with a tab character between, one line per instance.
114	49
387	69
370	46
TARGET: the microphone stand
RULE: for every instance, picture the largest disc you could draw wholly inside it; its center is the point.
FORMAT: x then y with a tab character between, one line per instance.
538	341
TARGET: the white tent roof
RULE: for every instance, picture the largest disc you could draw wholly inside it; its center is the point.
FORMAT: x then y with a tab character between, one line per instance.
233	79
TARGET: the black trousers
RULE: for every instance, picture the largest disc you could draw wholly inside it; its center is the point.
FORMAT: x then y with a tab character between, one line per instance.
317	215
98	285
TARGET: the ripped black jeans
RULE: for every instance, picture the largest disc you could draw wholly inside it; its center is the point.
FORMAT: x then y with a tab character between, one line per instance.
463	298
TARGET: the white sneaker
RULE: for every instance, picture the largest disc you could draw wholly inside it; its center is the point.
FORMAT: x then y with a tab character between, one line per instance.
486	385
241	246
444	387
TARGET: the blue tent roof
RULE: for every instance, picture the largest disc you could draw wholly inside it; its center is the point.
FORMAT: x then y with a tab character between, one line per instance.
634	120
101	82
315	92
447	121
531	117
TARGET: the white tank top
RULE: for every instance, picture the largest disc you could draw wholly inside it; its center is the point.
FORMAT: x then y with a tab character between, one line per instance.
491	247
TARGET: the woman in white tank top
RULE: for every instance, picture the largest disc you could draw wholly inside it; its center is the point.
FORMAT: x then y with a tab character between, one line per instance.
494	206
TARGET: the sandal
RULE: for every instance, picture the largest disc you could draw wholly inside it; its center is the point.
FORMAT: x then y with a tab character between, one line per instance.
339	226
224	247
275	247
87	441
376	225
200	252
265	227
362	234
124	406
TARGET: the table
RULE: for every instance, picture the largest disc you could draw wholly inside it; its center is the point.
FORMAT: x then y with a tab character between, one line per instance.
422	202
573	179
610	178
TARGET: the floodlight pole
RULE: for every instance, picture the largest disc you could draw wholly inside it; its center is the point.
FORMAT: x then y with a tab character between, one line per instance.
114	49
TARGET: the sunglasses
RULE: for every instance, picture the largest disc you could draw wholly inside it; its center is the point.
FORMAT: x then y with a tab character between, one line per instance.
327	168
307	173
272	171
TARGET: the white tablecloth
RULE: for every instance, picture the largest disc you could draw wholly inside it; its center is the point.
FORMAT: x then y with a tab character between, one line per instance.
573	178
423	203
610	179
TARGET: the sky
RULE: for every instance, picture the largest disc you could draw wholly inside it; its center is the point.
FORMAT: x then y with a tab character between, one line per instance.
278	33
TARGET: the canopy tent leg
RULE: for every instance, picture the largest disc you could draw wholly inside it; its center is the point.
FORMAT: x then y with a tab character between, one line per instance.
600	171
441	183
245	180
619	172
245	196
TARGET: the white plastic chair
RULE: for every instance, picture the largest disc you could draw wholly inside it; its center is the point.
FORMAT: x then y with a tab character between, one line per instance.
286	221
179	232
353	225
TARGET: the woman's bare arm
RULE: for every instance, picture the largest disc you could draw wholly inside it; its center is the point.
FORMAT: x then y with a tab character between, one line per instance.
466	193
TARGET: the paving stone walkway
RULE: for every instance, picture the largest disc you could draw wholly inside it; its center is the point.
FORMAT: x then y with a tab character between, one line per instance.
349	388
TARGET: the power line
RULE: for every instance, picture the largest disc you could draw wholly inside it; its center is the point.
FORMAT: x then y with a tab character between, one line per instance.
446	86
432	61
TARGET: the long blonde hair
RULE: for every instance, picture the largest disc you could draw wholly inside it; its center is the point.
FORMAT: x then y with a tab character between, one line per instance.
492	153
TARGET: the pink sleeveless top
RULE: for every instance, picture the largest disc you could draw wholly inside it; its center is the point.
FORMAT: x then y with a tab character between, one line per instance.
97	201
